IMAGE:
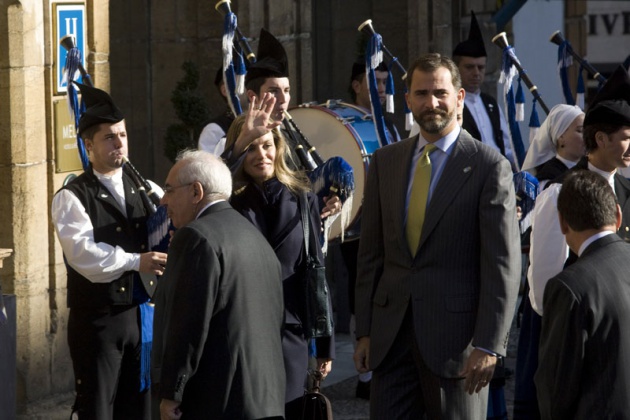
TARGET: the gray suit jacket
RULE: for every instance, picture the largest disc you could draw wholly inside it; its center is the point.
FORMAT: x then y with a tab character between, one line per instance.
584	368
218	320
463	282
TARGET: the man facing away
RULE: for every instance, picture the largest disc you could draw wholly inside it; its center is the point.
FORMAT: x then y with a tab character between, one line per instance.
219	308
100	221
436	289
607	140
483	118
583	370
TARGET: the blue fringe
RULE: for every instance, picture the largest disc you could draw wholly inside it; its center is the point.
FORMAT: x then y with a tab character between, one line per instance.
373	50
534	120
335	172
520	96
526	187
517	140
229	27
157	228
146	320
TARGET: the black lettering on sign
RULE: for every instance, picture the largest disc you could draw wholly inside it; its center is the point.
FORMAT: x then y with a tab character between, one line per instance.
626	23
592	24
608	24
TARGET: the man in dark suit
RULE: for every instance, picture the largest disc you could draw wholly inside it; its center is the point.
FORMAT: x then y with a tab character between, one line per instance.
219	308
584	371
483	118
434	306
607	140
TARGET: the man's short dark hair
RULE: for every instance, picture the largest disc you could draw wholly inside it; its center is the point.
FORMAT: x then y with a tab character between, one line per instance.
589	131
587	201
429	63
255	84
90	132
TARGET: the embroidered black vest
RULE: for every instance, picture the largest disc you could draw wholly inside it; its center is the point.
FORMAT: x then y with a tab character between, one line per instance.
111	226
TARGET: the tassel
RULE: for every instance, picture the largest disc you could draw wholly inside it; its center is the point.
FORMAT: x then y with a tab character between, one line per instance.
565	60
70	72
580	89
534	123
526	186
239	69
408	115
146	319
374	57
390	90
520	102
227	45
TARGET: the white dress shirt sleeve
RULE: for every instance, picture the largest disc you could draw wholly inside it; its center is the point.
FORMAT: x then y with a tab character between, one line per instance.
97	261
548	248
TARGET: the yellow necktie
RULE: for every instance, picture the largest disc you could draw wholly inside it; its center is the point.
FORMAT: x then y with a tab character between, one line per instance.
418	198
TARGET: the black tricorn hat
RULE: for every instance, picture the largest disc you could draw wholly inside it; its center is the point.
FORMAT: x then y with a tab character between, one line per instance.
611	105
99	108
271	60
473	46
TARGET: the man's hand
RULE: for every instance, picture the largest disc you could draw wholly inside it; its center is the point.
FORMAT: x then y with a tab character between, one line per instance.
169	410
332	206
324	366
362	355
478	370
257	123
153	263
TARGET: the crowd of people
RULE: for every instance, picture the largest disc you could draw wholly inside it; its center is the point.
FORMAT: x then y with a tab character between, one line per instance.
214	326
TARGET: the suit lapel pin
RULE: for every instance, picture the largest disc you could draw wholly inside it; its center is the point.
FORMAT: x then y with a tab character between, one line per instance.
491	106
104	195
467	169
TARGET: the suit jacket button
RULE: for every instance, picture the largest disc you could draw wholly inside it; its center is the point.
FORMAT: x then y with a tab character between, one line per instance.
142	246
137	225
118	229
151	283
121	290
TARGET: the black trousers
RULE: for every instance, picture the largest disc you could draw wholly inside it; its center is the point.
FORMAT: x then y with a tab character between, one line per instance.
105	346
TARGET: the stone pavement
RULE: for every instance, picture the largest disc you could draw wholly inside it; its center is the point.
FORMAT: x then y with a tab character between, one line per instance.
339	387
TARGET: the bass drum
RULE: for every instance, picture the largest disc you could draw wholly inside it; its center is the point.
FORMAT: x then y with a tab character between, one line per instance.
341	129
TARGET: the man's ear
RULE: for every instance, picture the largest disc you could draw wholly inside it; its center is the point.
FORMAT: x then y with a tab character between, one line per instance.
88	144
356	86
600	138
619	217
564	226
197	192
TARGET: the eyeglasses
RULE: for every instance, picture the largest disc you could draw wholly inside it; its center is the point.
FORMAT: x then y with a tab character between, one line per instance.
169	189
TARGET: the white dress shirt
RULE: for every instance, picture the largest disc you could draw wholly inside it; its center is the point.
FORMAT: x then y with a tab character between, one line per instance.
97	261
548	248
477	109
